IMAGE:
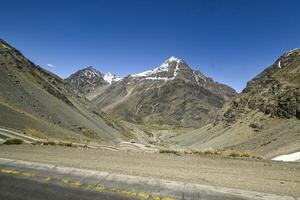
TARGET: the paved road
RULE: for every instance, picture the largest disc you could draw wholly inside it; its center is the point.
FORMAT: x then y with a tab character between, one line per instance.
28	180
16	188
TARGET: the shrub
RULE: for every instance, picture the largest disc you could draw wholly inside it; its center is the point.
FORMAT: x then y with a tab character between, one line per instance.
13	141
49	143
208	151
169	151
234	154
241	154
53	143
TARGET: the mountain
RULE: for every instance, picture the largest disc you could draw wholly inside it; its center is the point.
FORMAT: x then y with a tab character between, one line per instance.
172	94
263	119
87	79
41	104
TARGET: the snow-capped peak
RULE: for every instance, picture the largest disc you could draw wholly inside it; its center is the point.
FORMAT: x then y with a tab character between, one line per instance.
109	77
164	67
90	72
173	58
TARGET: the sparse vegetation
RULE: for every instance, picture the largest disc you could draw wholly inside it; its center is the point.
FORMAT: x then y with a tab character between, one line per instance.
170	151
13	141
242	154
211	151
53	143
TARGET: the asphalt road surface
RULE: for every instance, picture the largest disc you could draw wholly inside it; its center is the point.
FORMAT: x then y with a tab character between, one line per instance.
16	188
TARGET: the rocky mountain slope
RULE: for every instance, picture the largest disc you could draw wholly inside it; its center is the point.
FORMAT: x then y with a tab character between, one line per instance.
264	118
87	79
172	94
43	105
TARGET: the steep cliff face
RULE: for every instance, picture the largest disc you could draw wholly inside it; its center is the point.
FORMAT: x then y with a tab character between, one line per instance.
263	119
42	104
274	92
171	94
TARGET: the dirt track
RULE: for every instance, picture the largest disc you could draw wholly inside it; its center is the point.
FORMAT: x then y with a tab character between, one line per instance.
257	175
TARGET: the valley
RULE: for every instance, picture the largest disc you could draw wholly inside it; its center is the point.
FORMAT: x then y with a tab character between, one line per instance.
169	123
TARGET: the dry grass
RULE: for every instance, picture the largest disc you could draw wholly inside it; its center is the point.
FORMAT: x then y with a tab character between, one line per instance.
53	143
170	151
241	154
211	151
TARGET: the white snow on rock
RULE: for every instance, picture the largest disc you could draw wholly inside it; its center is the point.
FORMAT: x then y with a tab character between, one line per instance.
288	157
108	77
291	51
173	58
157	78
196	78
279	64
91	73
162	68
177	67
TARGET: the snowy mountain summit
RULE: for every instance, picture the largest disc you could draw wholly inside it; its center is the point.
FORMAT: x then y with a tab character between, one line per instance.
164	67
174	68
87	79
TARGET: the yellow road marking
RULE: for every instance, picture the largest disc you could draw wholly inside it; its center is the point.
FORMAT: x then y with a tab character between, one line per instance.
77	184
65	181
143	195
9	171
128	193
27	174
156	198
140	195
100	187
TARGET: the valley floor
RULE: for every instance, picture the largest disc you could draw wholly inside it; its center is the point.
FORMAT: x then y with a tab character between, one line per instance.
248	174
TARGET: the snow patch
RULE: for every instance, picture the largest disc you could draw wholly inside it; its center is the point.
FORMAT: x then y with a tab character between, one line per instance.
108	77
90	73
279	64
196	78
176	69
166	78
157	78
291	51
288	157
162	68
173	58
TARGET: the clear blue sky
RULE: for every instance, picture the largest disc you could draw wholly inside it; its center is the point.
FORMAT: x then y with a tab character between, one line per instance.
230	41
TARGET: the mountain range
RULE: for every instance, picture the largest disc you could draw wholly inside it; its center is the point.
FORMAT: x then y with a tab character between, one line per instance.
172	104
172	94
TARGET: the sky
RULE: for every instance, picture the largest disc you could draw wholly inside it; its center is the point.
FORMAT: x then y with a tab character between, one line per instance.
230	41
